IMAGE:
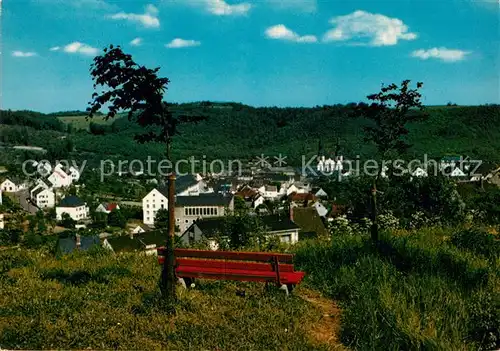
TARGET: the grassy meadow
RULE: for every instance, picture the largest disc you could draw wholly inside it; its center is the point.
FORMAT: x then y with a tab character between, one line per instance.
421	290
429	289
100	301
80	122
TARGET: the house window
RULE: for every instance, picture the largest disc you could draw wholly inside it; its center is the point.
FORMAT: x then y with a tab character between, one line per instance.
211	211
215	209
178	219
147	206
285	238
204	211
185	211
147	212
187	221
147	219
162	206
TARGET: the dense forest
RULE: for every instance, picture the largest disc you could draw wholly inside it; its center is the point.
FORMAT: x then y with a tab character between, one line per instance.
236	131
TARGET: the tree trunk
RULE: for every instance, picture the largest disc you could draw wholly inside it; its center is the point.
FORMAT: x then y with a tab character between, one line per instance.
168	285
374	212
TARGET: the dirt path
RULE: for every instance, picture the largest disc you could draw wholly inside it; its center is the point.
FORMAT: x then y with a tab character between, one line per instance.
327	328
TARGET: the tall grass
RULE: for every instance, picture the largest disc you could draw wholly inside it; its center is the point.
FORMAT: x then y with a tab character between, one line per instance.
99	301
411	292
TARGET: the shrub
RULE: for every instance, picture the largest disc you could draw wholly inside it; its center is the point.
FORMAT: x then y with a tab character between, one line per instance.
478	242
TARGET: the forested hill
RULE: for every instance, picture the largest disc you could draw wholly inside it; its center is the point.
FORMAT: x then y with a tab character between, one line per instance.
239	131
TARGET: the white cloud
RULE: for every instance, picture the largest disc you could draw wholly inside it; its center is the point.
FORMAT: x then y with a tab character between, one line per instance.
23	53
222	8
280	32
215	7
136	42
301	5
77	48
182	43
380	30
443	54
148	19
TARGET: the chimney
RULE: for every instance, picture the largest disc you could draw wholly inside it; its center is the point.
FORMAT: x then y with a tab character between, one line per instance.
78	242
291	212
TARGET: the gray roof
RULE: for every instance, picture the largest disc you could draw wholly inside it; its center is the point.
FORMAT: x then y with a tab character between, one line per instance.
71	201
68	245
138	242
86	242
182	183
274	223
210	199
38	191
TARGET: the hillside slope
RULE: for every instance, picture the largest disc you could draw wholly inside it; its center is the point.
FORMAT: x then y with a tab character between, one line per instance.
238	131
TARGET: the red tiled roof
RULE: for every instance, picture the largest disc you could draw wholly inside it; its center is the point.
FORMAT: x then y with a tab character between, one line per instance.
296	197
246	193
110	207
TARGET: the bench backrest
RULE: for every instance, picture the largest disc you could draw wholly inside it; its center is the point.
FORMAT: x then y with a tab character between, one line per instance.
254	261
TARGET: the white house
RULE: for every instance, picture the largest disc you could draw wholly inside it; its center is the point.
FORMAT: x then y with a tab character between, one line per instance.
296	188
320	193
74	173
44	168
419	172
12	186
43	198
190	185
72	205
2	223
1	197
40	184
321	209
329	165
59	178
457	172
152	202
107	207
138	230
449	161
257	201
269	192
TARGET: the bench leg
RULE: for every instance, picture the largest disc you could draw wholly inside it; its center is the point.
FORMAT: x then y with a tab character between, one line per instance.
284	288
182	282
290	288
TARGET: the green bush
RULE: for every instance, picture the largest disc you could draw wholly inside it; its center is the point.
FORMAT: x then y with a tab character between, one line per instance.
478	242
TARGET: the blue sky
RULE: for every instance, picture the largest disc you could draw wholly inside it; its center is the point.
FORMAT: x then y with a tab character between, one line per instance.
261	53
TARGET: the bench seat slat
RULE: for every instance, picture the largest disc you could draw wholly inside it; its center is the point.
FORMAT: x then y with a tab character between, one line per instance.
232	255
250	266
237	274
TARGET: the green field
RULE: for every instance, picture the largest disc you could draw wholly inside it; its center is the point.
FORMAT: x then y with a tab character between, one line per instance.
80	122
431	289
100	301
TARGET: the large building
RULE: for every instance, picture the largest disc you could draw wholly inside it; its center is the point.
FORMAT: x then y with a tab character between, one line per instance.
156	199
43	198
280	226
12	185
72	205
190	208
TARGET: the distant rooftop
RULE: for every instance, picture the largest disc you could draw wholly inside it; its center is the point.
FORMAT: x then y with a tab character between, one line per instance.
210	199
71	201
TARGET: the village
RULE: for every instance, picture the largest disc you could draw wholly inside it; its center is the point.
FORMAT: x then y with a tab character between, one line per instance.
288	203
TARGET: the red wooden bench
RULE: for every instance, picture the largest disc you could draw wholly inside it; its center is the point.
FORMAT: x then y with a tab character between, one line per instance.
227	265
